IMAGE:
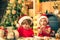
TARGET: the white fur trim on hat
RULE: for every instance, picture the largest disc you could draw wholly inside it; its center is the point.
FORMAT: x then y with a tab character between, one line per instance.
17	25
41	18
23	18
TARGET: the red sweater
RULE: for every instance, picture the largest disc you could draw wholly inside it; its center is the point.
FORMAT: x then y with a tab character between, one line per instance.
25	33
44	32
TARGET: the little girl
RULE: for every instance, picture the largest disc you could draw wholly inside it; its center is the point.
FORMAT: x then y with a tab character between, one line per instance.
44	29
24	29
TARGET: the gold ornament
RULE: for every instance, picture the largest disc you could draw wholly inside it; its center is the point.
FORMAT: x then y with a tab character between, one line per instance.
8	7
8	11
12	1
25	10
14	5
13	11
19	1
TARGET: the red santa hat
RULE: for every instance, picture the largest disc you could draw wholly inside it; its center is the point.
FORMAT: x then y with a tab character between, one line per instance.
23	18
43	16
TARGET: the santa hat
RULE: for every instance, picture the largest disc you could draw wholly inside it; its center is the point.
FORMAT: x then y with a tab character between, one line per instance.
23	18
43	16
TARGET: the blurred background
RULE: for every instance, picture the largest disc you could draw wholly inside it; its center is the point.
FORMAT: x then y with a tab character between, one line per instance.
12	10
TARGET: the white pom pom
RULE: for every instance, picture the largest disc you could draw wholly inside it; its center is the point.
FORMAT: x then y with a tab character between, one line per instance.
17	25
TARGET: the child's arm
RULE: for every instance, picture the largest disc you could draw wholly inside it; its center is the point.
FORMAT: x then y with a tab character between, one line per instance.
40	30
48	30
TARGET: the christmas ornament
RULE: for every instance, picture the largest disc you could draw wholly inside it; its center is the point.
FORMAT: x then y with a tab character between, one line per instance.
8	11
12	1
19	1
13	11
14	5
8	8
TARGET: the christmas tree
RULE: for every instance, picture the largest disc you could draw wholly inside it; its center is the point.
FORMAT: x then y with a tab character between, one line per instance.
12	13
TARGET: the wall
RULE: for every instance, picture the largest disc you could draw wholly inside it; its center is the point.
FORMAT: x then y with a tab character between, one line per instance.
49	6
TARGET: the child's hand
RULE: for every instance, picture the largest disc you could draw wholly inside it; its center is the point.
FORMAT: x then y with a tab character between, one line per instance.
42	27
39	30
48	30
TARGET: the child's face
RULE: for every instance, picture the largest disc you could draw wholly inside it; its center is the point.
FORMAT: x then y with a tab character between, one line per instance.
26	25
43	22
